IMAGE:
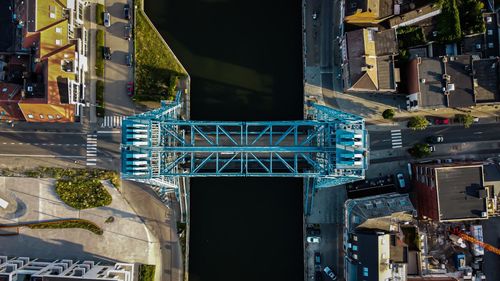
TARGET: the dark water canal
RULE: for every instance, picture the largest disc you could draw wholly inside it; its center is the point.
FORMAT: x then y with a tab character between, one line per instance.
245	62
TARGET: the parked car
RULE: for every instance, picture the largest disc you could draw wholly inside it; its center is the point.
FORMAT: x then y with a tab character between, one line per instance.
318	276
441	121
432	148
107	19
130	89
126	11
106	53
317	258
476	119
128	60
315	16
401	180
128	32
330	273
312	239
435	139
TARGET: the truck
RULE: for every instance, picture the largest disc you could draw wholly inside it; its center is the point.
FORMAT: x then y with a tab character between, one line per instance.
477	232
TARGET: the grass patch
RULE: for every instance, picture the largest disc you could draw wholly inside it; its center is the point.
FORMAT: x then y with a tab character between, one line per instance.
99	59
99	98
146	272
99	10
157	69
448	25
76	223
82	193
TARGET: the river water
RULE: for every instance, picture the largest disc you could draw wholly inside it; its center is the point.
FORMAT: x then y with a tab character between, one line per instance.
245	62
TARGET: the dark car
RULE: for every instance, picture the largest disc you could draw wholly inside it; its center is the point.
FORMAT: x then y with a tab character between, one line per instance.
128	32
128	60
126	11
435	139
318	276
313	231
130	89
317	258
106	53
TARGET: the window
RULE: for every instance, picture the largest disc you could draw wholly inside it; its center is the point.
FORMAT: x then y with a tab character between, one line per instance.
52	10
50	116
58	30
354	248
365	271
31	116
58	42
58	116
490	45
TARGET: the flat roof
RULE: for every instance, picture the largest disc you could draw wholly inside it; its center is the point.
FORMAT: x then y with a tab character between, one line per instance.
458	192
486	80
431	91
460	70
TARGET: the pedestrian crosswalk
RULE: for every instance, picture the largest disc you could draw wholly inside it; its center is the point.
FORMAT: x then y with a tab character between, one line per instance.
91	150
112	121
396	139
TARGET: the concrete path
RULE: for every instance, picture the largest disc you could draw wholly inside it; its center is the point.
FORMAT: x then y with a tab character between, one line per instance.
38	201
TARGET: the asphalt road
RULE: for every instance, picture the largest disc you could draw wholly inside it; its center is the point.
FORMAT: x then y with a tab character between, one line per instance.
18	143
452	134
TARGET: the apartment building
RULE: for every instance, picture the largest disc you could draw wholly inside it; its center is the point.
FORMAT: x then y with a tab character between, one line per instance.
26	269
51	51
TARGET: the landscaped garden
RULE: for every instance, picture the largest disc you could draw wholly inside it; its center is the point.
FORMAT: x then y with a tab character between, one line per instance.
74	223
448	26
82	193
157	70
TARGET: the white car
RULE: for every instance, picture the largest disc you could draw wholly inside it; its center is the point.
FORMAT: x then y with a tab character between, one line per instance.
312	239
107	19
330	273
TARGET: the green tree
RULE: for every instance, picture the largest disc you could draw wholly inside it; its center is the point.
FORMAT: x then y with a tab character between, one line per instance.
418	123
466	119
448	24
471	17
388	113
420	150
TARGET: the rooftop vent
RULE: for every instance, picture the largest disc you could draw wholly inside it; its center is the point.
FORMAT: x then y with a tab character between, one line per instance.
451	87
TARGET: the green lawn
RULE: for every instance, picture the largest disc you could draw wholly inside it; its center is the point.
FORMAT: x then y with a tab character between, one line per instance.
99	10
75	223
99	59
156	67
99	97
146	272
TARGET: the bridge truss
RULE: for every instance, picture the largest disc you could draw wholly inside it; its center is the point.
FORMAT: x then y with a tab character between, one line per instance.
329	148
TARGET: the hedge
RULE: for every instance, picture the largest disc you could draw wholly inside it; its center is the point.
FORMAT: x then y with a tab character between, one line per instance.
76	223
99	59
99	98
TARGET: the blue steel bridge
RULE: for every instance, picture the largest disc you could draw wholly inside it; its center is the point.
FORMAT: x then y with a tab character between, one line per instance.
328	148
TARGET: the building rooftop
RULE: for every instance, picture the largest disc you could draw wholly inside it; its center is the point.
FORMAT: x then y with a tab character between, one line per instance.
370	59
429	79
48	12
491	36
459	192
53	38
460	71
486	80
415	15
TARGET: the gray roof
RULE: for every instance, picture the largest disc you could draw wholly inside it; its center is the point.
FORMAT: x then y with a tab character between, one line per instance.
460	70
458	192
486	75
368	255
386	42
385	73
491	50
431	86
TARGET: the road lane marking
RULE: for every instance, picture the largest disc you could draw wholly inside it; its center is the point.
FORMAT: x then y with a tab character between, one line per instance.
42	155
91	150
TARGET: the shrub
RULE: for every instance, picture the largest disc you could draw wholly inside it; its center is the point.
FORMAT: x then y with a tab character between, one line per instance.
82	192
99	11
99	98
409	36
388	113
418	123
75	223
99	59
420	150
146	272
466	119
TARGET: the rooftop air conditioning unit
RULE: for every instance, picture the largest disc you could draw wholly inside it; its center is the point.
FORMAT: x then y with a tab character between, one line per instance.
422	80
444	59
451	87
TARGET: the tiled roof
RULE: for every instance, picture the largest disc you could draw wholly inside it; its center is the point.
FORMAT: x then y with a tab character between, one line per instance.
9	98
37	112
53	38
56	77
48	12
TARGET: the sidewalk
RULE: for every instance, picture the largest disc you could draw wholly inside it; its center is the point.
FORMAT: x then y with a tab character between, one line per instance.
401	123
